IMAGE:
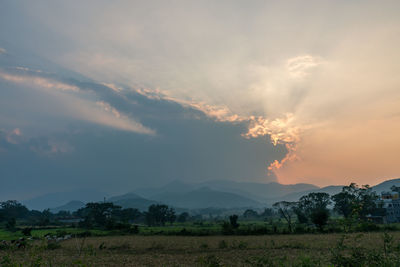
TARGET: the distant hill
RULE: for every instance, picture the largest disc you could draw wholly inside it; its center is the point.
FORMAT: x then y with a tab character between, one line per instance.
60	198
132	200
141	204
221	194
334	189
256	191
206	198
71	206
124	196
175	186
331	190
386	185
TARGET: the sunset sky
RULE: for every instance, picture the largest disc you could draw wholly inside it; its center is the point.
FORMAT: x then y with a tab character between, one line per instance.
119	94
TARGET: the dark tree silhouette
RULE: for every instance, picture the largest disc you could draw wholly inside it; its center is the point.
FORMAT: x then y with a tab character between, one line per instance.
233	221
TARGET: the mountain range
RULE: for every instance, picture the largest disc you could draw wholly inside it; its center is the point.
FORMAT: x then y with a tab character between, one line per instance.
222	194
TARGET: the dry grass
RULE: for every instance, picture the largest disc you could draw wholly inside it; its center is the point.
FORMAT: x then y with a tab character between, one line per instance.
288	250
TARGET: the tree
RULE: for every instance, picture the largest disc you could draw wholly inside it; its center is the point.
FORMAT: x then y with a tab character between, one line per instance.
159	214
171	216
315	207
355	201
344	203
286	211
250	214
183	217
395	188
268	212
129	215
233	221
320	217
100	214
13	209
10	225
45	217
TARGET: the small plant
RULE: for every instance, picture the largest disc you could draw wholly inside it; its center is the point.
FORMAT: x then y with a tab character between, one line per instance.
102	246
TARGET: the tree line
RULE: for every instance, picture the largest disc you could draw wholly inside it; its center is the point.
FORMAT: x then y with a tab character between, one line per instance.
354	203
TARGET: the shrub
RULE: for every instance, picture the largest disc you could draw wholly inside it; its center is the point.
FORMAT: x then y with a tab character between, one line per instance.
27	231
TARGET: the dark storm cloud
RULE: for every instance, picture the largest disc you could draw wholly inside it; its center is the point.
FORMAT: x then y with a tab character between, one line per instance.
69	153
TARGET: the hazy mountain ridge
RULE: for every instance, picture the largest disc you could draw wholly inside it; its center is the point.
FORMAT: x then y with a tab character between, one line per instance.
71	206
206	198
52	200
209	194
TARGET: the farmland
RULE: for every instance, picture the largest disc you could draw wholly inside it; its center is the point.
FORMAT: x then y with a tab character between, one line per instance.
266	250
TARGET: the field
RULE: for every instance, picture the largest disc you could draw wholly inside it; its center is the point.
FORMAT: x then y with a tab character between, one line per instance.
357	249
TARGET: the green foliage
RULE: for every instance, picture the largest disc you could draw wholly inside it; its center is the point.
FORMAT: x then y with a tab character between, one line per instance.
355	201
158	214
12	209
320	217
233	221
314	207
27	231
250	214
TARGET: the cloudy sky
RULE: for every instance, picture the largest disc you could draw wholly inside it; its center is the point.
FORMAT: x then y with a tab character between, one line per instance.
114	95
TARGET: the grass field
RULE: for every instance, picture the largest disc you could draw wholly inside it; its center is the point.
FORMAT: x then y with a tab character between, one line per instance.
268	250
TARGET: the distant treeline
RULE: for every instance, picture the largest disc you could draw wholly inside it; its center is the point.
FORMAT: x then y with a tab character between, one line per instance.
353	205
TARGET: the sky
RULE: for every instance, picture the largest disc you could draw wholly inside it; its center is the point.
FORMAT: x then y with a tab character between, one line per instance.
114	95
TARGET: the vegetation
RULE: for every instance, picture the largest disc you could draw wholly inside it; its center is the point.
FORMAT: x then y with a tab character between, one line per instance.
318	230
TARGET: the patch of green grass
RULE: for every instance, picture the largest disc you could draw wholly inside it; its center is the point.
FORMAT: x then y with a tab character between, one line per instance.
7	235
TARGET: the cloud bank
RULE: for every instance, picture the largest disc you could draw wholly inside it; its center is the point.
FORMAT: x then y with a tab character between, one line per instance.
317	78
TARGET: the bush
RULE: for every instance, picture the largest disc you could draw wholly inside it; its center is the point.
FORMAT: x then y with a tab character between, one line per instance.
27	231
